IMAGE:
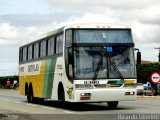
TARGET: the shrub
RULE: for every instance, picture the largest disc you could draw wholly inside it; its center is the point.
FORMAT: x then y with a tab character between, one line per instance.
144	71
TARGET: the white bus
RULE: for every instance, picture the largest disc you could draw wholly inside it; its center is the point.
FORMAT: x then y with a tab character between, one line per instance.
80	63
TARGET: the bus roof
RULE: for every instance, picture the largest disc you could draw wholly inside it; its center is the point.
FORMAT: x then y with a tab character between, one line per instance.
78	26
85	26
96	25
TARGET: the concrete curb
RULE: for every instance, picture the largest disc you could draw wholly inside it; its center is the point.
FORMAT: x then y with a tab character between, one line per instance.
9	91
151	97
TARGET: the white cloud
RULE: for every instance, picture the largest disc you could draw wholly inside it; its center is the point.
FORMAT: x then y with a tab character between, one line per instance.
93	5
146	34
7	32
88	18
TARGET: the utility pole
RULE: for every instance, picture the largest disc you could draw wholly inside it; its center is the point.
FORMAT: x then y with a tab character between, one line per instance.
159	54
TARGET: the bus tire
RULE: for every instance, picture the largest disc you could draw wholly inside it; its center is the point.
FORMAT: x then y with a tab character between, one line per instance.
61	95
112	104
30	96
26	89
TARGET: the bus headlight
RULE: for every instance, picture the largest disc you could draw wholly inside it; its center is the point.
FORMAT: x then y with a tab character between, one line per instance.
129	93
84	86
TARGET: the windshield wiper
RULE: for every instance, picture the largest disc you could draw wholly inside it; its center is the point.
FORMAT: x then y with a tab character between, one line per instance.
112	63
97	68
114	66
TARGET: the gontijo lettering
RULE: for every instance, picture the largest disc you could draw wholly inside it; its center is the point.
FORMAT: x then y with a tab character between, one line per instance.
32	68
21	69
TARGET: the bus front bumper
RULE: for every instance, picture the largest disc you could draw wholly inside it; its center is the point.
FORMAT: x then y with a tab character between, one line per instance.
104	95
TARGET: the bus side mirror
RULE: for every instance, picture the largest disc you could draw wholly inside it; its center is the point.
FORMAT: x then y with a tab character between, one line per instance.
138	57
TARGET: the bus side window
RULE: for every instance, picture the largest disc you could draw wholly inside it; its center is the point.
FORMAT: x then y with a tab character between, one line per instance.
57	44
47	47
51	46
44	51
42	48
30	53
70	57
68	37
21	55
33	51
60	49
24	53
70	62
69	54
36	50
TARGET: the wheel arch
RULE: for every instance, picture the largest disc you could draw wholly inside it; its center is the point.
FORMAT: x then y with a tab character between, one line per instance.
30	88
60	88
26	88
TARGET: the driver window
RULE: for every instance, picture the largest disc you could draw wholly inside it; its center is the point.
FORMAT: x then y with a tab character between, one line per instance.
70	62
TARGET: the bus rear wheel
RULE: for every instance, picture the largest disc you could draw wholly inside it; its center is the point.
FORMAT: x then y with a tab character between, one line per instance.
30	97
112	104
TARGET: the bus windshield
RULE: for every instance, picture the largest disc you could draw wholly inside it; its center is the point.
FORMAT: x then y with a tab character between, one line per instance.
103	36
119	63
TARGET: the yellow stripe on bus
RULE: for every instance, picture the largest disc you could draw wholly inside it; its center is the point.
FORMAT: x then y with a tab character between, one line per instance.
36	80
129	81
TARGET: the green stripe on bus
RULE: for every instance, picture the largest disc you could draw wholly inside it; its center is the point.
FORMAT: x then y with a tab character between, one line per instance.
48	78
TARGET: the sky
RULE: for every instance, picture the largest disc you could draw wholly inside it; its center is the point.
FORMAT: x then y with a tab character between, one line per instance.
22	21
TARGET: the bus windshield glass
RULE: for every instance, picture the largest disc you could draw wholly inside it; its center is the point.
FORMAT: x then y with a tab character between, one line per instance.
117	64
103	36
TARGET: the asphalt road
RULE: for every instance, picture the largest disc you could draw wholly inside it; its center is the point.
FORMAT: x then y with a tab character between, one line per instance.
14	105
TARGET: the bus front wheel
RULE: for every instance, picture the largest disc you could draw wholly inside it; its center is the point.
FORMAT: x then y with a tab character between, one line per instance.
112	104
61	96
